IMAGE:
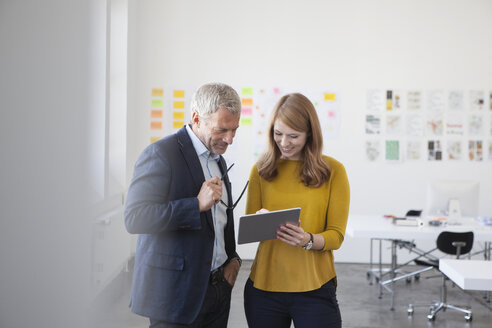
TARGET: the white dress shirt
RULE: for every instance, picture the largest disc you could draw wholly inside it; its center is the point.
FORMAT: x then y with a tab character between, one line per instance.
210	167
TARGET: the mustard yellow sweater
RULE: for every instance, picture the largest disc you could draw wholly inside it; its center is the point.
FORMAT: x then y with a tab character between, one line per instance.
279	267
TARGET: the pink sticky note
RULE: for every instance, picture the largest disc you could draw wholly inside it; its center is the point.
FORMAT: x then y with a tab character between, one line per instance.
247	111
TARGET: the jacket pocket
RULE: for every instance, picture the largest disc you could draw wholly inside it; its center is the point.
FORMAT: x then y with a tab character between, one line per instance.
164	261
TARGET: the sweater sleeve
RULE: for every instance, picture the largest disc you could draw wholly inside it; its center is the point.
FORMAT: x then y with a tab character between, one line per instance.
253	201
338	208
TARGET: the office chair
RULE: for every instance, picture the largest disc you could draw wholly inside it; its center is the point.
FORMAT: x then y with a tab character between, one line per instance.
452	243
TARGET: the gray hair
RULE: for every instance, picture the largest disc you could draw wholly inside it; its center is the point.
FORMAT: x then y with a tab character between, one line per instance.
212	96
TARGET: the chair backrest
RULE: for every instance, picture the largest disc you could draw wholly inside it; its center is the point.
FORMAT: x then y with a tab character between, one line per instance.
446	239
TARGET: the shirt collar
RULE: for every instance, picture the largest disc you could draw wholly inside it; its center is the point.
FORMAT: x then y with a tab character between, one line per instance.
200	148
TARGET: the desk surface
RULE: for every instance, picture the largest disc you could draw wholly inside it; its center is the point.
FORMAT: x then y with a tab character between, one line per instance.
373	226
468	274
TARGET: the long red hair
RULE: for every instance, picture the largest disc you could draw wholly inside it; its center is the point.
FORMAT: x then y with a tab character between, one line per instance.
297	111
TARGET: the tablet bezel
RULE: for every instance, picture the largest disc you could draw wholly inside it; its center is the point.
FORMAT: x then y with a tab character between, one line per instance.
263	226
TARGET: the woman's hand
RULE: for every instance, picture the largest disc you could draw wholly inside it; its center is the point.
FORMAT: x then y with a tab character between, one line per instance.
293	235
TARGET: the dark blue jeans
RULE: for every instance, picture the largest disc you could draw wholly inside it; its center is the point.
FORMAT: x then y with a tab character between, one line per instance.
214	312
313	309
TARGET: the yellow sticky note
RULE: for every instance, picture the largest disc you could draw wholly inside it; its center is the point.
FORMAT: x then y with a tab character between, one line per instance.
246	121
156	113
330	96
178	124
157	92
155	125
157	103
247	101
247	91
389	105
154	139
178	115
178	93
179	104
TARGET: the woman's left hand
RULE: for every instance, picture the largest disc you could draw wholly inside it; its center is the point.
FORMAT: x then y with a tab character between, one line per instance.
293	235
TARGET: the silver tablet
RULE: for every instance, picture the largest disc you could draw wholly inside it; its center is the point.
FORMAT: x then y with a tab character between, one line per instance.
264	226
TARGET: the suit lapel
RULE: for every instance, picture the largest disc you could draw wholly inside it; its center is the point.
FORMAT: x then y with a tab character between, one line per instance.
194	166
191	158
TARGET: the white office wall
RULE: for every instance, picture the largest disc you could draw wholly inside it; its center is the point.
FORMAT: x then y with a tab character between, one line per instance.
50	53
351	46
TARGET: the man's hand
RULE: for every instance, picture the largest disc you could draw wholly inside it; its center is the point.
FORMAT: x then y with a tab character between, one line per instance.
231	270
210	194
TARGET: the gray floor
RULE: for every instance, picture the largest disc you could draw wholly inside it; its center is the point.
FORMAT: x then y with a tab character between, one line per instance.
359	303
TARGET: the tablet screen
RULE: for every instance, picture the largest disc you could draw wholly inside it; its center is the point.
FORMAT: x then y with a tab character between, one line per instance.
264	226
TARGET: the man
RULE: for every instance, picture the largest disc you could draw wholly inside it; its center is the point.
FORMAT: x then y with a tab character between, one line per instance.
186	261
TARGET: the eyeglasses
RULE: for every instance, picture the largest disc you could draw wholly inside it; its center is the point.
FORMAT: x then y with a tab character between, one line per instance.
240	196
237	201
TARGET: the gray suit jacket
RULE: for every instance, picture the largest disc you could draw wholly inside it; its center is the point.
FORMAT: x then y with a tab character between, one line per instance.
175	245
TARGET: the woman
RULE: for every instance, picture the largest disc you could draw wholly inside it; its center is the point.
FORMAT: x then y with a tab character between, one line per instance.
293	277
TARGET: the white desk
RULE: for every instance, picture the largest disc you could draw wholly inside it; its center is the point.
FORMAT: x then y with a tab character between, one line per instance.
468	274
382	229
374	226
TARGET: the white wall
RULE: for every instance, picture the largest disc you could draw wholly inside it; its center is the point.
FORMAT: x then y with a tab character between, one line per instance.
352	46
48	84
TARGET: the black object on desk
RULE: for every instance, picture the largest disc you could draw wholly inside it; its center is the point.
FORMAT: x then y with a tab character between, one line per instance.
414	213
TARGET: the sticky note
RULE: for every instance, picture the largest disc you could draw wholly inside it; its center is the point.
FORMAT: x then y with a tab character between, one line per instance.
178	124
246	121
156	113
389	105
179	104
178	115
157	92
155	125
154	139
178	93
247	91
157	103
247	101
246	111
276	90
330	96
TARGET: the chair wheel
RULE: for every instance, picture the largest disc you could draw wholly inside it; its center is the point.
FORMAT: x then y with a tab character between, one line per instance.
468	318
431	317
408	280
417	276
410	310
